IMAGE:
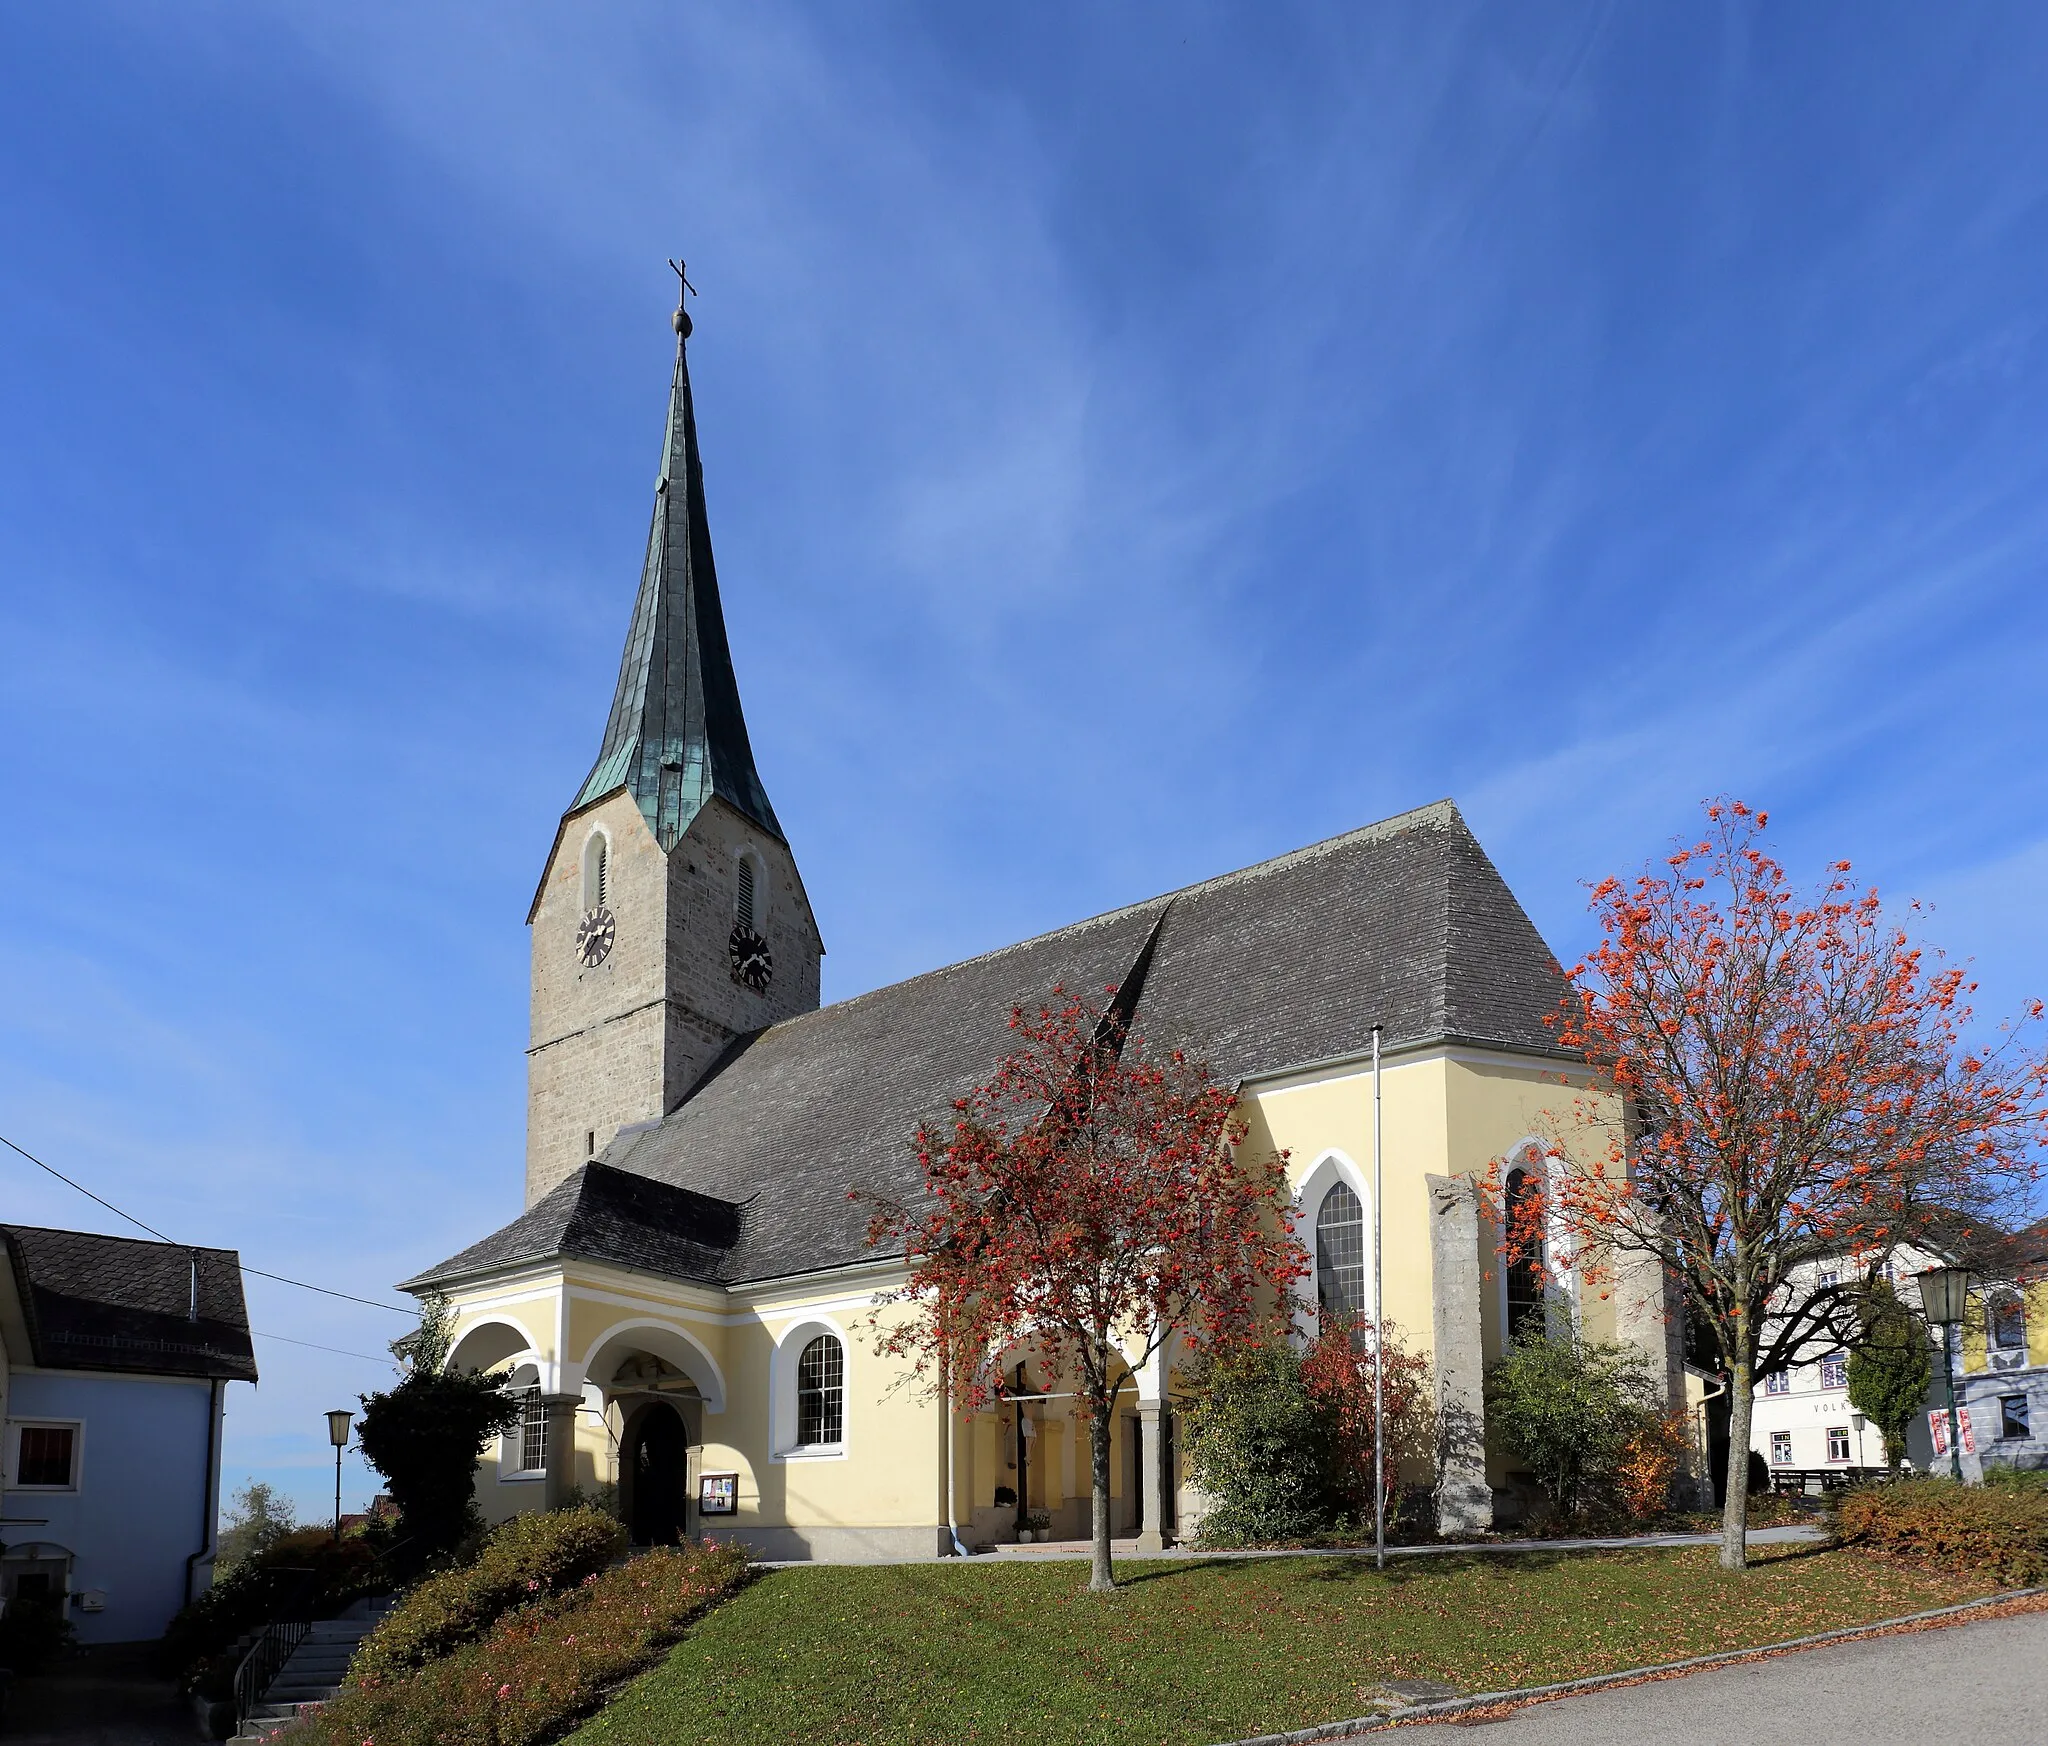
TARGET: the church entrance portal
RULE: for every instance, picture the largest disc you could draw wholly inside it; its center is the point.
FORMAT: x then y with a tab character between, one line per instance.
657	1467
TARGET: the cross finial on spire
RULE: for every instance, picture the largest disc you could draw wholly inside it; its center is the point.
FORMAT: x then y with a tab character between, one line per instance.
684	290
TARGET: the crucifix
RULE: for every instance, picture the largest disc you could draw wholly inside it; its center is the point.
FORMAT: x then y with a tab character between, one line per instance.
684	291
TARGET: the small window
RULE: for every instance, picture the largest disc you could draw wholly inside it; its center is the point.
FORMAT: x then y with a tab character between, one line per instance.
1781	1448
2008	1319
743	899
1830	1276
821	1394
1778	1382
1340	1252
46	1456
1838	1442
2015	1423
1834	1370
526	1443
1526	1307
597	872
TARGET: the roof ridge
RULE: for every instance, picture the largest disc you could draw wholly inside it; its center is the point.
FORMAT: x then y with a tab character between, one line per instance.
1436	812
116	1237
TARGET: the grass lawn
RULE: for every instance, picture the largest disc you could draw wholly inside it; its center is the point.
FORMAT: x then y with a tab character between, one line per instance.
1193	1653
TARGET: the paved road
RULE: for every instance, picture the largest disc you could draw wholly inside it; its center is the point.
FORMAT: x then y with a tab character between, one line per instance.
1986	1681
104	1697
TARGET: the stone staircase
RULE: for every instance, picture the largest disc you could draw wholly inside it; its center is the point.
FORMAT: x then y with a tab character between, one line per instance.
314	1672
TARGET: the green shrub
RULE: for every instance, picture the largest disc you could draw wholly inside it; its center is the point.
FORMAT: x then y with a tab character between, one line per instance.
1260	1448
541	1665
1570	1408
529	1558
2000	1526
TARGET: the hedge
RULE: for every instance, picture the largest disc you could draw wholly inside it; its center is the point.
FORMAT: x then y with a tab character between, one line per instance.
531	1557
541	1666
2000	1526
199	1648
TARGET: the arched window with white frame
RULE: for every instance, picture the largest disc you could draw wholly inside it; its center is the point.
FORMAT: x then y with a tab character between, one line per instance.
1527	1266
597	871
821	1394
1340	1253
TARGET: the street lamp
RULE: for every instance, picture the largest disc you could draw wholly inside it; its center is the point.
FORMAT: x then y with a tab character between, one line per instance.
1944	1301
337	1434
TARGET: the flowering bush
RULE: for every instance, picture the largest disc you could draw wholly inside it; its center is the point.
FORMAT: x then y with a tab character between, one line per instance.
1649	1462
529	1558
540	1666
1999	1526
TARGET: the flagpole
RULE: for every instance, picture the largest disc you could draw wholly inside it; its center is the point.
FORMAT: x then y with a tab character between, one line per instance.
1379	1387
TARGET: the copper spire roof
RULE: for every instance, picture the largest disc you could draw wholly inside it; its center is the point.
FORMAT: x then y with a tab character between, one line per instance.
676	735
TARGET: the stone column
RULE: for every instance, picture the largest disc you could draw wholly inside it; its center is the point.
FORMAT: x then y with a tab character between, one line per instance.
561	1442
1151	1538
1464	1500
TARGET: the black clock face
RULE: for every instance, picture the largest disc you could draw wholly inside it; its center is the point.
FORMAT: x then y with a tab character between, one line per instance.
594	936
751	964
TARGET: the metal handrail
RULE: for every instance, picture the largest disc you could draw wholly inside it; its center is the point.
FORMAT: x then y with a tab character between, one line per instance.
274	1645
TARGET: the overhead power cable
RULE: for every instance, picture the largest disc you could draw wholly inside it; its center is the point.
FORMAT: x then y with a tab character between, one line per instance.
303	1285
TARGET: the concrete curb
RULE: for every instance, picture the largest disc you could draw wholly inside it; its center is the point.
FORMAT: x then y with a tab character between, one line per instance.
1449	1707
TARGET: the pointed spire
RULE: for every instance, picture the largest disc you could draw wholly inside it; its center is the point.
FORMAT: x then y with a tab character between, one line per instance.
676	735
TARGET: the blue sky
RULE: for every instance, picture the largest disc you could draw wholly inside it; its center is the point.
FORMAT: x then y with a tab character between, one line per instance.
1139	440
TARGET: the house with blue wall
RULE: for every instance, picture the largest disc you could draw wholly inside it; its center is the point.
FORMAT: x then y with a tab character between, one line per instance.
114	1358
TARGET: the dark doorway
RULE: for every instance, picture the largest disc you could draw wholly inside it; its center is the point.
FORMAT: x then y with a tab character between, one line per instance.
658	1461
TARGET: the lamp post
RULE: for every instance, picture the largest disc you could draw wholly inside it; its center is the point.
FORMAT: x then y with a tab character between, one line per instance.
1944	1300
337	1434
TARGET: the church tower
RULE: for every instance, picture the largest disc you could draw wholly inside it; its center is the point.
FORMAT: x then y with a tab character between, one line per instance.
671	918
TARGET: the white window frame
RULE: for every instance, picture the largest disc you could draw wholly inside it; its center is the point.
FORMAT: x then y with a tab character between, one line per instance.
77	1429
1560	1264
1331	1168
1778	1382
1839	1363
512	1443
782	1367
1781	1440
2026	1414
1841	1433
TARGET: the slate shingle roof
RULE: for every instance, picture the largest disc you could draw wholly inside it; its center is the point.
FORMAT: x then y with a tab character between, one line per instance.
118	1303
1281	965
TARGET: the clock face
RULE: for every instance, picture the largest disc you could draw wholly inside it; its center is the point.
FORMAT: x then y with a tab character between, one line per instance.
752	965
594	936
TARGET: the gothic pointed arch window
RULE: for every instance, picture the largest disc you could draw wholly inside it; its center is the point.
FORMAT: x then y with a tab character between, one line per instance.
1527	1263
1340	1252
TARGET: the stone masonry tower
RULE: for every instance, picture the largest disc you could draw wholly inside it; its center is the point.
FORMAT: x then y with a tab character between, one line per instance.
671	918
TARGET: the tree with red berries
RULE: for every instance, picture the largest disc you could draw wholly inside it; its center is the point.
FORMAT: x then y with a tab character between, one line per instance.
1093	1202
1803	1084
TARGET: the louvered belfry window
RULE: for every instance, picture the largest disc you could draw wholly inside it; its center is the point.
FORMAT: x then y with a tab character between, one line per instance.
821	1394
1340	1252
743	907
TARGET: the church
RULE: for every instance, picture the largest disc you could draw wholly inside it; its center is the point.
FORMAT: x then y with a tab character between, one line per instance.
686	1308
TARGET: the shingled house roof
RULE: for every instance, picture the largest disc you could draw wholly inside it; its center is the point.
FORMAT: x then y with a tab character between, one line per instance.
1279	966
118	1303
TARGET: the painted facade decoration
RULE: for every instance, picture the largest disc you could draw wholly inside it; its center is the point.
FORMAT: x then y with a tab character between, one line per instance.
1804	1422
686	1305
114	1357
